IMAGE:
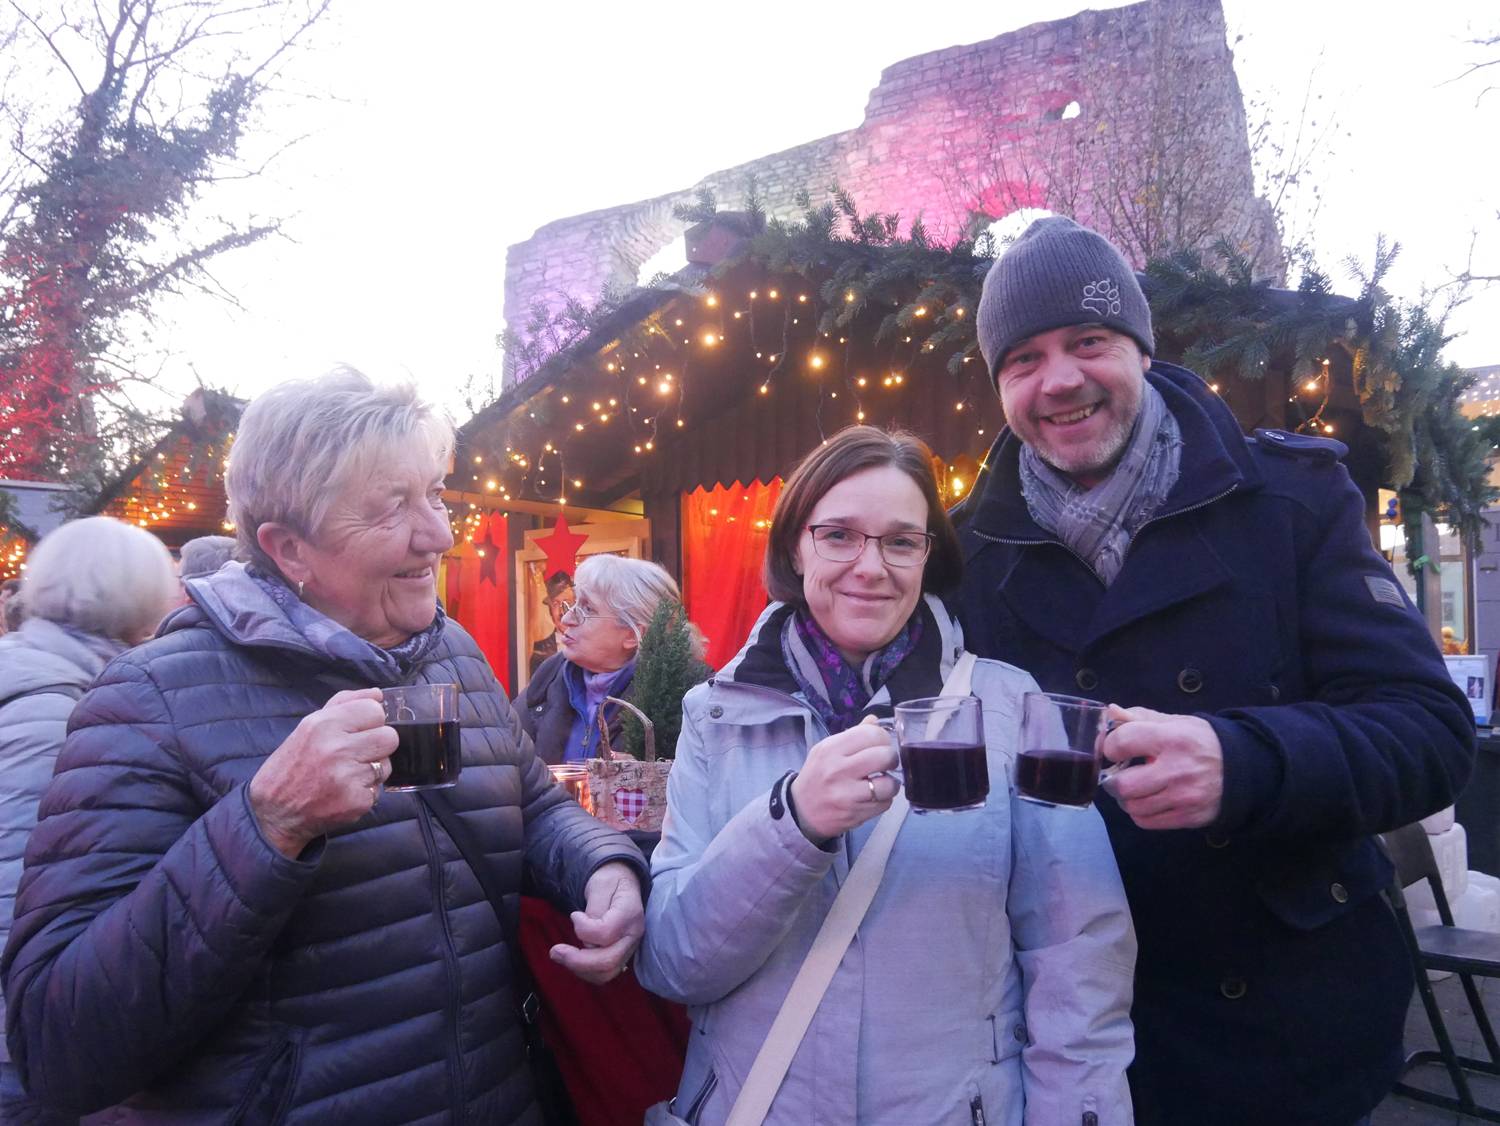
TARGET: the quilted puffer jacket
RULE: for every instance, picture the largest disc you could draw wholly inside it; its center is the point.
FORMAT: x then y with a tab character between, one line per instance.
168	965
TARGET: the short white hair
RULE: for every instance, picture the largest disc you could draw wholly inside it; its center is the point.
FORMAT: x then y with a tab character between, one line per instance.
102	576
303	442
204	555
630	589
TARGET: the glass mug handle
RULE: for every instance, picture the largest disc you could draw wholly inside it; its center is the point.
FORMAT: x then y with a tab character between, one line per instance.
1108	772
888	725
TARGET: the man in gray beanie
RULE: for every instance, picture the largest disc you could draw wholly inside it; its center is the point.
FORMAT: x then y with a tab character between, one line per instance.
1275	694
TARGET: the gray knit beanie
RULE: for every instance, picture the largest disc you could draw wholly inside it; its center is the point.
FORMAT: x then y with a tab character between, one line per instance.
1058	273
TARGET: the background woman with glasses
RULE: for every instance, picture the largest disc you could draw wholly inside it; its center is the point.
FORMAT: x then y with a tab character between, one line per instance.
600	634
991	979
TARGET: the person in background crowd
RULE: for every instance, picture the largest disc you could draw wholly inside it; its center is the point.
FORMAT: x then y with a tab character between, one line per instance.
990	981
559	595
204	556
639	1037
10	618
1282	699
201	556
223	917
600	638
94	587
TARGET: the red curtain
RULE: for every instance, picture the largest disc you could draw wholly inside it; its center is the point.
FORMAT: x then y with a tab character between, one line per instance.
724	532
478	592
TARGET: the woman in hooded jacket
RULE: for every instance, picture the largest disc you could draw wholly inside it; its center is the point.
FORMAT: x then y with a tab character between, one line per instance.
92	589
990	979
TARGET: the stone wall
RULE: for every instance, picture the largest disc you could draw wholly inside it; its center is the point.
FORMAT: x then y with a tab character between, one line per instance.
1138	103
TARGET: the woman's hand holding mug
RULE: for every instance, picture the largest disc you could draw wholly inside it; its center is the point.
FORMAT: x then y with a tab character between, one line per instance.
326	773
842	783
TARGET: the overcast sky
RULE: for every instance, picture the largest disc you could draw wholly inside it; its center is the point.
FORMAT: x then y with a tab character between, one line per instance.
459	128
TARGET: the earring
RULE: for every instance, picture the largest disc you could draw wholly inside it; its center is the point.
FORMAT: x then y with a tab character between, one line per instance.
301	583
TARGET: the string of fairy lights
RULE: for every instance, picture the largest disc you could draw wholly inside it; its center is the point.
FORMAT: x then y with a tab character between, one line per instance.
643	384
159	494
1319	387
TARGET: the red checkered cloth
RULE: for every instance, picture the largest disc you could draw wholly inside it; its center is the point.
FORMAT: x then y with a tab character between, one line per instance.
630	804
619	1048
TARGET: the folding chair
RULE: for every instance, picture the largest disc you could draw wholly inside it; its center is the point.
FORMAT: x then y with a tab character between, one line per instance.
1466	953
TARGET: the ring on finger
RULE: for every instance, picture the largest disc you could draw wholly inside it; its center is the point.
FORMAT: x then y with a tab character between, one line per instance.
379	775
870	782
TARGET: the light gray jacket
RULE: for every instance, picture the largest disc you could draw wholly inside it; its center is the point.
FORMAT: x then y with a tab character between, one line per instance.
989	983
44	669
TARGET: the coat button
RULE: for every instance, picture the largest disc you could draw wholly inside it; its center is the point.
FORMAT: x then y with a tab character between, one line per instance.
1233	988
1190	681
1217	840
1339	892
539	708
1275	692
1087	679
1019	1032
715	712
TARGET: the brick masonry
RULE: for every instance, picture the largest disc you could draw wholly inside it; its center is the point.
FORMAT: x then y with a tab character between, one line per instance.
969	134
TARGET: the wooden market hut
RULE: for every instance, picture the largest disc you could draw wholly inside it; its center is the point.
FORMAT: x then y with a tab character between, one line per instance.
681	410
176	488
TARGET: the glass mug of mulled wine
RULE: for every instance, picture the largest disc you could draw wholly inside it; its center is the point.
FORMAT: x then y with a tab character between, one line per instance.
1060	760
943	764
428	754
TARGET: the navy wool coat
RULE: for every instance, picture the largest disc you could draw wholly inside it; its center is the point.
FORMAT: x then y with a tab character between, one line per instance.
1271	984
168	963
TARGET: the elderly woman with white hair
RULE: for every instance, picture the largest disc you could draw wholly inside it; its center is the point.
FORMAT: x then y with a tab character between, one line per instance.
92	589
600	634
224	917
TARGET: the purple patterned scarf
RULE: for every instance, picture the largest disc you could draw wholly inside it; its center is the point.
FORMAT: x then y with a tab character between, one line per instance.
837	691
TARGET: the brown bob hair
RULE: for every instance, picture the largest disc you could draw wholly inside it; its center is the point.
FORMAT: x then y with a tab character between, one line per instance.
850	451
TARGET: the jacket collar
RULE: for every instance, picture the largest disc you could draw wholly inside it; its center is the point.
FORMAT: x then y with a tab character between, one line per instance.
234	604
43	656
1215	460
760	668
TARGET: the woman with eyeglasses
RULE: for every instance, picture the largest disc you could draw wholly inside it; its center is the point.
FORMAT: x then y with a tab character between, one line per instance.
600	633
990	980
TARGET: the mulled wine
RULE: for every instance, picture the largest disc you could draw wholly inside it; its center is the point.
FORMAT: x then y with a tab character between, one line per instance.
427	755
1057	777
942	774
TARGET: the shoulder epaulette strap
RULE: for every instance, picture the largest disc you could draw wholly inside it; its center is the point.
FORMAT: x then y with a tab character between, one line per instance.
1287	444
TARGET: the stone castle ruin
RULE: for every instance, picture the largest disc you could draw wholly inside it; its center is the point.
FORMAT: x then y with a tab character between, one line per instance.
1130	120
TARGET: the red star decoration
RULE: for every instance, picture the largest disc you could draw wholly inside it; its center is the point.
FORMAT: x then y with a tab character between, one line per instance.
490	556
561	548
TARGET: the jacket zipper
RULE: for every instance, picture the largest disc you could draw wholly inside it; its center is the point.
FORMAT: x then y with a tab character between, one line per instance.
450	965
701	1099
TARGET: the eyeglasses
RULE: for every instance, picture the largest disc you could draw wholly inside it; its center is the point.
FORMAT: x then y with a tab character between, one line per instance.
838	544
577	612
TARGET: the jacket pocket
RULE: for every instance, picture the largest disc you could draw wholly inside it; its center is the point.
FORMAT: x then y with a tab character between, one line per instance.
1307	892
268	1095
1005	1035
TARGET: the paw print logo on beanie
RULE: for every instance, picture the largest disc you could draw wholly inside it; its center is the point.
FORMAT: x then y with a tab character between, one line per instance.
1102	298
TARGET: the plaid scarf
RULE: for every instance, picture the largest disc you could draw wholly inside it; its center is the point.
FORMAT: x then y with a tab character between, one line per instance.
836	690
1098	523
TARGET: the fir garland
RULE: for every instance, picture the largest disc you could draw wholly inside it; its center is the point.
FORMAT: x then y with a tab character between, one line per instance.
1231	324
1227	324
